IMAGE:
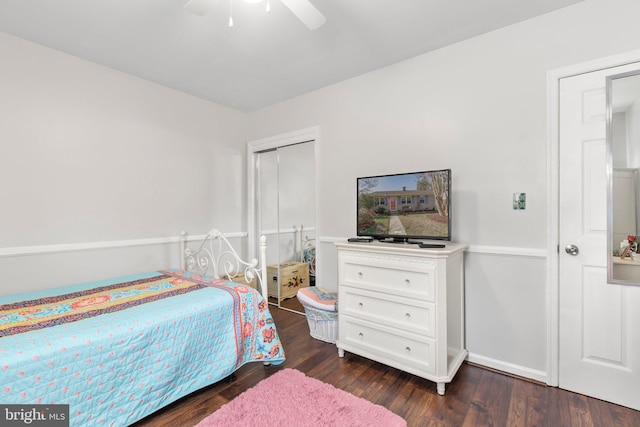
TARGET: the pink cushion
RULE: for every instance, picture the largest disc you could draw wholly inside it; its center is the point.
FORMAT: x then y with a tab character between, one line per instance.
318	298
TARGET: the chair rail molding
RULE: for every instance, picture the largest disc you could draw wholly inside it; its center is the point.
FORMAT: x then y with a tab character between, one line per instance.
75	247
473	249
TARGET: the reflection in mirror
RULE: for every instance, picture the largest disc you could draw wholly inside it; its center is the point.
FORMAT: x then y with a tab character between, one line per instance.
623	149
286	205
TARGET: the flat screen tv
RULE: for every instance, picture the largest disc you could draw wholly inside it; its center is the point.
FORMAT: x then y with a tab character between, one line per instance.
405	206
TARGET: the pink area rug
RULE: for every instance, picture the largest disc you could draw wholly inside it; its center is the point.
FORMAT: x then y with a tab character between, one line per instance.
290	398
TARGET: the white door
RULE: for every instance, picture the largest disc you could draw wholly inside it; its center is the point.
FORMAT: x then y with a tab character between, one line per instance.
599	323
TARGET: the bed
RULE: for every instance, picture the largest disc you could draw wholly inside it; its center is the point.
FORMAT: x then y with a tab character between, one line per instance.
118	350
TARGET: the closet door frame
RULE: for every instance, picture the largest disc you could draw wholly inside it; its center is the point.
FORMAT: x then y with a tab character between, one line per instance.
273	142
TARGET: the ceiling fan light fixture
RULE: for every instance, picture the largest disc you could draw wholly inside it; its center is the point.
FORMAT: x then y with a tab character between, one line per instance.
303	9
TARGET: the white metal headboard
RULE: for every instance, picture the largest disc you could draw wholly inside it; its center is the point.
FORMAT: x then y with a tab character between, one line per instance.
215	257
307	243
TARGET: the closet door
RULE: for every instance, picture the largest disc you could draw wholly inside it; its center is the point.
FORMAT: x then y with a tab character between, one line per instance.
286	195
297	197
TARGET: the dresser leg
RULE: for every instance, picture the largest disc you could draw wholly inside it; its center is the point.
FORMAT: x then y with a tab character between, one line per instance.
340	352
440	389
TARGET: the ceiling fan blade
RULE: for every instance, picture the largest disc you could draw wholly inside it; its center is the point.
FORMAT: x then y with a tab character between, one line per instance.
306	12
199	7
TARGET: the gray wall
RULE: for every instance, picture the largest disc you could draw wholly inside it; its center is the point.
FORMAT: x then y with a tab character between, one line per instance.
90	155
477	107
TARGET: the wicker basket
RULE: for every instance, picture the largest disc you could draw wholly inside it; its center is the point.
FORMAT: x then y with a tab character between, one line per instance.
323	325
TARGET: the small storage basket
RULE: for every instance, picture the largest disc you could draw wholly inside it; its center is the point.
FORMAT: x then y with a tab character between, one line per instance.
320	308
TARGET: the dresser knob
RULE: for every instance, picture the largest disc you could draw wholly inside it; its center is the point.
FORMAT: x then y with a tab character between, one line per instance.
407	315
408	349
360	335
360	275
407	282
360	305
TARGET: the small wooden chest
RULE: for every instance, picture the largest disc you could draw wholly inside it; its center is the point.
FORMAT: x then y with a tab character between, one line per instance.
293	276
239	278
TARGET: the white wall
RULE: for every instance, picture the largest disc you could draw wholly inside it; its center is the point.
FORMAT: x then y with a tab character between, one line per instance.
89	154
84	155
479	108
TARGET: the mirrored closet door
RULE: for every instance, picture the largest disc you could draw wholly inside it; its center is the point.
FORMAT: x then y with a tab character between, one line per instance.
285	191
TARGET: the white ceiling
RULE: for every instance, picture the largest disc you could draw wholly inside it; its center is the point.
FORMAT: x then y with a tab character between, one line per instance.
264	58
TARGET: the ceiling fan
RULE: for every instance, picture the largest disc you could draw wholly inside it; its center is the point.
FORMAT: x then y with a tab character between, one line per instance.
303	9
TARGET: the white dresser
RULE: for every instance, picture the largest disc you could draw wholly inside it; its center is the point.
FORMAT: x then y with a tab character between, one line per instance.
403	306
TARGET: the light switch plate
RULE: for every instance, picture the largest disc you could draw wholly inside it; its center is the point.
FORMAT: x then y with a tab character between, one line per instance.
519	201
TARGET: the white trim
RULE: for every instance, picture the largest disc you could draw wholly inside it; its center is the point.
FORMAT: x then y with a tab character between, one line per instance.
553	189
284	231
552	304
510	368
75	247
474	249
289	138
508	251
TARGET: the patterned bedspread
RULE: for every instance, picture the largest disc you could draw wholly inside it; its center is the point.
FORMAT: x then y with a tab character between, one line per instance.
118	350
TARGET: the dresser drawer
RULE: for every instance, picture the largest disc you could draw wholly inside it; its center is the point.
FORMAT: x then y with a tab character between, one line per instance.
394	275
404	313
402	351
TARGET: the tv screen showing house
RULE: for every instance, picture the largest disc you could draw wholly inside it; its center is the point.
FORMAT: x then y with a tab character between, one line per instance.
405	206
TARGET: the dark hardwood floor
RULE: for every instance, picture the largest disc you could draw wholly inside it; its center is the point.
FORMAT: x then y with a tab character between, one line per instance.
476	397
289	303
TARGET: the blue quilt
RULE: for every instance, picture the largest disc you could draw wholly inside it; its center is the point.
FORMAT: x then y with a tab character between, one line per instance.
118	350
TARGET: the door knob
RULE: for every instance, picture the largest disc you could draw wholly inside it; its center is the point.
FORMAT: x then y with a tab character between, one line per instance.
571	250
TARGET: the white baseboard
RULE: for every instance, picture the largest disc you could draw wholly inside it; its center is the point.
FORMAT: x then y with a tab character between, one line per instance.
510	368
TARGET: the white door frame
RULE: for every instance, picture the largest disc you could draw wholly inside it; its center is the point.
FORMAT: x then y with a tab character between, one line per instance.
553	190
